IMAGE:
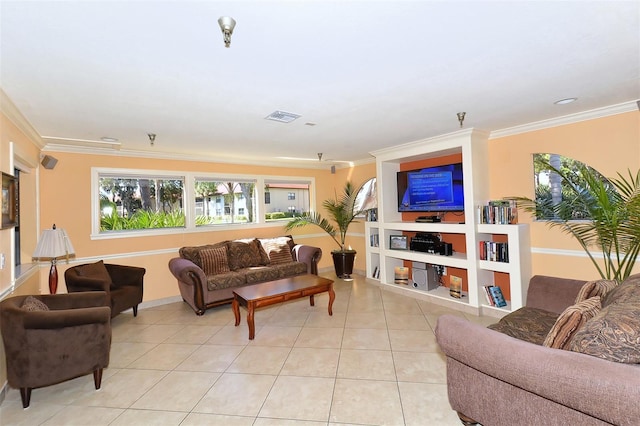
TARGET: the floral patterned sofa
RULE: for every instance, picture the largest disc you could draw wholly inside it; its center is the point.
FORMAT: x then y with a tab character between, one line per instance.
208	274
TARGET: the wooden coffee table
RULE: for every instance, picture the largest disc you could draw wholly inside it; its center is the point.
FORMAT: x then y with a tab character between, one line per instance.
278	291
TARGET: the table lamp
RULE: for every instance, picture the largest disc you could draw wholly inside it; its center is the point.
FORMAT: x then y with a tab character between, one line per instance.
53	244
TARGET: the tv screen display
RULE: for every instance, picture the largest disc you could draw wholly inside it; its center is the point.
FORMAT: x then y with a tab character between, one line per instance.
432	189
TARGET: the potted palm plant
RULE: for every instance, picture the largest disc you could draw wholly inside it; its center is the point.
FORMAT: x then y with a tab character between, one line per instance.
342	211
598	212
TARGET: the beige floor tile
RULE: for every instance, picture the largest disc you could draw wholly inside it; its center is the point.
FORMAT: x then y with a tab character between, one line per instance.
368	402
300	398
12	413
366	320
165	356
156	333
319	338
314	362
127	332
276	336
149	418
124	353
288	318
420	367
366	364
122	389
361	338
260	360
402	305
413	341
363	305
236	395
82	416
260	421
199	419
323	319
145	316
231	335
194	334
211	358
426	404
397	321
177	391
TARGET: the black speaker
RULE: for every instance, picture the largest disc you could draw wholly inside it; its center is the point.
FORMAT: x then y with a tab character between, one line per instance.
49	162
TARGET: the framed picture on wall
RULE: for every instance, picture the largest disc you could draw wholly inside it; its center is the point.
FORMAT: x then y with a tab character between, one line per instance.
398	242
9	202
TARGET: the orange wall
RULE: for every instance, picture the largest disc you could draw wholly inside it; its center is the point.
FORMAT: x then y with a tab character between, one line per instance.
65	196
610	145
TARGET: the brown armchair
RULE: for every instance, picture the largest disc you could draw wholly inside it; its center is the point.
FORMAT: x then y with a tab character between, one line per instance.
123	284
53	338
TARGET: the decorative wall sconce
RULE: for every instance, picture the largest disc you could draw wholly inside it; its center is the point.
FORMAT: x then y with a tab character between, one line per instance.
227	24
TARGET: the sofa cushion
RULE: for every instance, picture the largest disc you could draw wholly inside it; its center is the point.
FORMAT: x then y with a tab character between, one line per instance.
32	304
214	260
290	269
225	280
526	320
193	253
244	254
613	334
95	270
278	249
570	321
595	288
260	274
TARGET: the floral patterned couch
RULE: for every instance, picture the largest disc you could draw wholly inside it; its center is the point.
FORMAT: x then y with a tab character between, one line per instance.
208	274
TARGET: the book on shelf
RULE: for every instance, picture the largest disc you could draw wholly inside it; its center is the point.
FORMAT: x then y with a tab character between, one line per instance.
487	295
375	272
401	275
374	240
501	212
493	251
372	215
497	296
455	286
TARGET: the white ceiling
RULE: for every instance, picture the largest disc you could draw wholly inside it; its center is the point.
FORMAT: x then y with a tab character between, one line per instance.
369	74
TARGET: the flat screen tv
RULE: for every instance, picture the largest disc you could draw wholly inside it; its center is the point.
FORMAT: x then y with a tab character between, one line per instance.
432	189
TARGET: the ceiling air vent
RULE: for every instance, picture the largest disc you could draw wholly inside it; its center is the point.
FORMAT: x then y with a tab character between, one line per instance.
282	116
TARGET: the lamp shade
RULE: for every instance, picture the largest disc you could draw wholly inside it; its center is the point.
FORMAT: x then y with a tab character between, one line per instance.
53	244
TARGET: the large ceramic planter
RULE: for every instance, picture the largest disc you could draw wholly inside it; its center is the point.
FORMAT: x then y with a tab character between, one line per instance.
343	263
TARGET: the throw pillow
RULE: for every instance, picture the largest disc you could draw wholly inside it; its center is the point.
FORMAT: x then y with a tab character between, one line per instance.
214	261
32	304
243	254
570	321
623	293
95	270
278	250
595	288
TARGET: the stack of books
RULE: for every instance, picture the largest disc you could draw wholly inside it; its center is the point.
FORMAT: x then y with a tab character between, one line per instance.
496	252
501	212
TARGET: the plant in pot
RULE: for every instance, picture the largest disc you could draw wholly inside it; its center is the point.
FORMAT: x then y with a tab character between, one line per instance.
598	212
342	211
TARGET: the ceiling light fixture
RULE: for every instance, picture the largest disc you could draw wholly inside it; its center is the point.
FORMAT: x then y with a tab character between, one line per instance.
152	138
565	101
108	139
461	117
282	116
227	24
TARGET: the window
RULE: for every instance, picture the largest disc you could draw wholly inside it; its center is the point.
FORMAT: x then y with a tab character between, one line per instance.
286	199
552	190
137	201
131	203
236	198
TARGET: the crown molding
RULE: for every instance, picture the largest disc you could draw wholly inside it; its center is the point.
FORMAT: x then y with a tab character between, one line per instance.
14	115
59	145
567	119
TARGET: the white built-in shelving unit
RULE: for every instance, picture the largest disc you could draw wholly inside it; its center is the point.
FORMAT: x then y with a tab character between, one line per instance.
472	145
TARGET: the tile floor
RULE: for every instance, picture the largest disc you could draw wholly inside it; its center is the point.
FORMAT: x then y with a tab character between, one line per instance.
374	362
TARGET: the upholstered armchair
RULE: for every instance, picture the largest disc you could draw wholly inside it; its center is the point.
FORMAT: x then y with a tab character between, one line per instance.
123	284
52	338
